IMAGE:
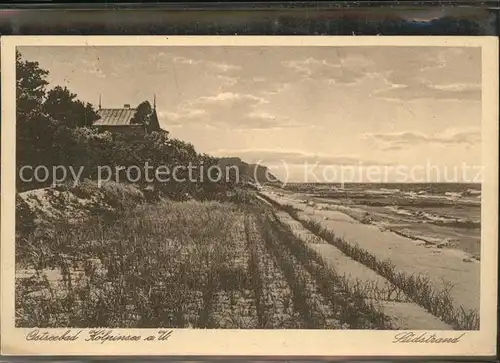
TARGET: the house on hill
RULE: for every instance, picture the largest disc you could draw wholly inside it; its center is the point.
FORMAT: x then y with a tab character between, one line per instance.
142	119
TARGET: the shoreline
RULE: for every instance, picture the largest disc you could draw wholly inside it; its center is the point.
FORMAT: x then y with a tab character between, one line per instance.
447	268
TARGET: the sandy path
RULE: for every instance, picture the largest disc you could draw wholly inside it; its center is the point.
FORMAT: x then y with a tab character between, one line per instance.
404	314
443	266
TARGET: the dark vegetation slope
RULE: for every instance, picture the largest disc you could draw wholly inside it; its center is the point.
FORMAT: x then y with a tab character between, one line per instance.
249	173
54	129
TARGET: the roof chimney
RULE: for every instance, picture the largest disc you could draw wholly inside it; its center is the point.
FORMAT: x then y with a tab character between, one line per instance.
126	105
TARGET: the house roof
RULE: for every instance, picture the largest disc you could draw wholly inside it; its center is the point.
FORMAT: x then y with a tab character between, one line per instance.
115	116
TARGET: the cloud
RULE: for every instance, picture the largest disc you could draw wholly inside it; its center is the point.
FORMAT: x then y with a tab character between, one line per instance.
263	120
393	148
223	67
452	74
215	66
96	71
92	67
262	115
258	79
401	140
295	158
277	88
228	109
184	60
249	121
421	91
322	70
228	81
183	114
307	66
230	98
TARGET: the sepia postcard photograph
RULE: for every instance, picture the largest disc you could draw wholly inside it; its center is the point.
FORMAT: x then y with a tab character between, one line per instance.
257	196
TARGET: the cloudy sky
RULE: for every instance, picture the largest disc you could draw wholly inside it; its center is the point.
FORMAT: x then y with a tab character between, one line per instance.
287	107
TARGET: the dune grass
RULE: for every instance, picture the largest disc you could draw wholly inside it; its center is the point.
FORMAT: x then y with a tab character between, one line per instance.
348	298
418	288
202	265
182	264
157	266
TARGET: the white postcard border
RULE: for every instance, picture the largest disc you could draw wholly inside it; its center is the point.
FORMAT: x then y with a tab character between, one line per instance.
259	342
